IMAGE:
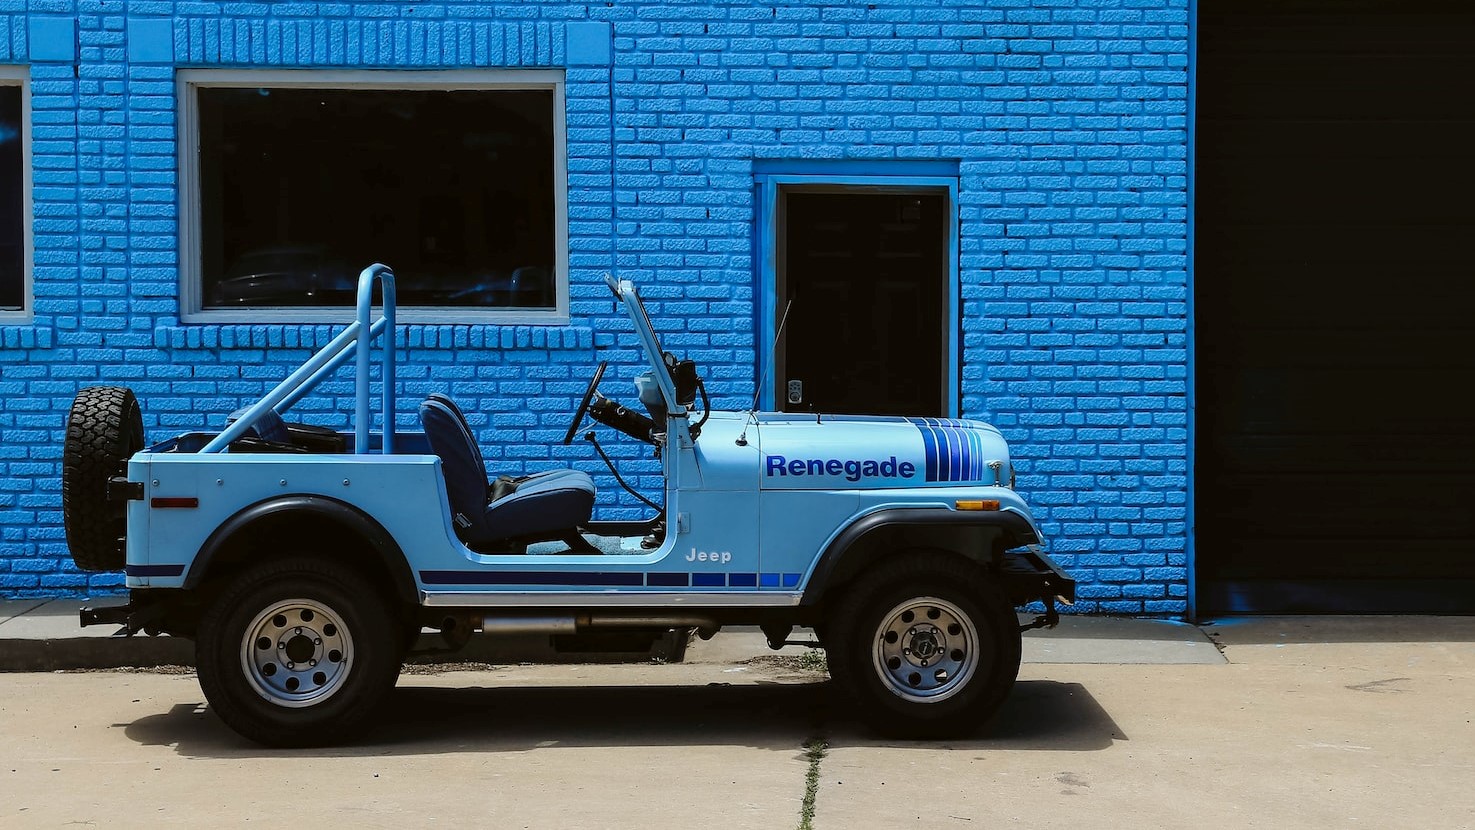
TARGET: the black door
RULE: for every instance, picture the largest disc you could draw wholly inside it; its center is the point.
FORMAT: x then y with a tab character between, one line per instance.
863	277
1335	314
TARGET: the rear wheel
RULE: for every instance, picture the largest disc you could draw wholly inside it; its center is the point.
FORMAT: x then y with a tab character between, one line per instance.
104	430
926	647
298	652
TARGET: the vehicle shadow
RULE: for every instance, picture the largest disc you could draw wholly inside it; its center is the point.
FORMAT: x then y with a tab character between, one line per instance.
428	720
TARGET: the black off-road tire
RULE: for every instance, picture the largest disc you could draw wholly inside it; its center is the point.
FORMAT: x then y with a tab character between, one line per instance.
330	669
937	603
104	430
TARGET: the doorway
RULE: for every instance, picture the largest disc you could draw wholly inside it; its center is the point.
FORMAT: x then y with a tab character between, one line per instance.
863	287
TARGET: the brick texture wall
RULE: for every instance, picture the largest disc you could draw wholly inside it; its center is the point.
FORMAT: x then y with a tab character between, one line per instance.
1067	120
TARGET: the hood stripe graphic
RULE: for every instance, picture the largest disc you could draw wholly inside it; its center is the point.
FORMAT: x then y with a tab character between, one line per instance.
954	452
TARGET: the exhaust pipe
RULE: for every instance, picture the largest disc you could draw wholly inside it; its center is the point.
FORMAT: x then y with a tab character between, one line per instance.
528	625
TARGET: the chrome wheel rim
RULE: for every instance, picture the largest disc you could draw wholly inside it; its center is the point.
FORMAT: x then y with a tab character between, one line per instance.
297	653
926	650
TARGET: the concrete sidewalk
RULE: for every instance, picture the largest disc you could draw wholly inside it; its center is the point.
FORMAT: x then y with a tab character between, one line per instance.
45	635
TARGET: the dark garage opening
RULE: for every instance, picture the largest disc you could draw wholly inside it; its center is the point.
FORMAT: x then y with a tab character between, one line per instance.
1334	302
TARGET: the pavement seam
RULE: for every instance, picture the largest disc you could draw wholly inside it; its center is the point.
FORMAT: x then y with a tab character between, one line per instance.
814	752
19	614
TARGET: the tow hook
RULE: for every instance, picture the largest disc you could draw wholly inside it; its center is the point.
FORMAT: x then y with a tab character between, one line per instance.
1049	619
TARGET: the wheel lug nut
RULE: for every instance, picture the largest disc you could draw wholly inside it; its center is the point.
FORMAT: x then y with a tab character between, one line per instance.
291	665
317	641
314	663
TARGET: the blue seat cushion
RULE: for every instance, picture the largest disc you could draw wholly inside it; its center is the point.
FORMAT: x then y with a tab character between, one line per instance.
545	505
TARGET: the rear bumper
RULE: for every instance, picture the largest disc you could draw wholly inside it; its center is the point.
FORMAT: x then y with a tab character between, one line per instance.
110	615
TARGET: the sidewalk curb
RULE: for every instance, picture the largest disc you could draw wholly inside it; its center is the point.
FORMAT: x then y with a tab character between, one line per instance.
72	653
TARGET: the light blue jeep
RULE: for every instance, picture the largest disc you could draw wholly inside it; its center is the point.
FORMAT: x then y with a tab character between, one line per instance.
306	562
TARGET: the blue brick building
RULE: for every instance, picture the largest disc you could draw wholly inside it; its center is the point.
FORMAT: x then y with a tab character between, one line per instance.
1024	166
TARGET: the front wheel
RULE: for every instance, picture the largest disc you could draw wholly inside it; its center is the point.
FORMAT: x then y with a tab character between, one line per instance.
926	647
298	652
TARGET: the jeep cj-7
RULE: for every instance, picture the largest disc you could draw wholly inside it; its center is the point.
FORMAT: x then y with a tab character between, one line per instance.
306	562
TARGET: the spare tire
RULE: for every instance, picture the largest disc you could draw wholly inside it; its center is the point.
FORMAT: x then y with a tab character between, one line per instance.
104	430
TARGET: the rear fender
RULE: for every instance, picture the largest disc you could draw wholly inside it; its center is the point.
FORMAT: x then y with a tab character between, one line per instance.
385	552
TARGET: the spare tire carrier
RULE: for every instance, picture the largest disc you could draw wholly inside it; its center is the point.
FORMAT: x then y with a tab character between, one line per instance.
104	430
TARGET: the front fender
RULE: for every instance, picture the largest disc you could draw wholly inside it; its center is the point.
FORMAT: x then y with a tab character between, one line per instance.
979	535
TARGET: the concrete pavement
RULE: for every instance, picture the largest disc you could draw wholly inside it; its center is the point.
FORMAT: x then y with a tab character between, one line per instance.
1297	723
1309	723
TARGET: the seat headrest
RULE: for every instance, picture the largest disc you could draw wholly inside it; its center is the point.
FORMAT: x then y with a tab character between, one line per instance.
445	400
461	462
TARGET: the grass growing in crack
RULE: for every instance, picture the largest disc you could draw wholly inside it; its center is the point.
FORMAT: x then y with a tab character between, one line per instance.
814	660
814	752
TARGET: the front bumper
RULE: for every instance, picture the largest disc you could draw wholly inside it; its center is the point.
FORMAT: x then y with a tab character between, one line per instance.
1028	575
1035	575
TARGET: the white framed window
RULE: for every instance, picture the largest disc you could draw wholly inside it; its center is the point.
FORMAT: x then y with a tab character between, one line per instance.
293	181
15	195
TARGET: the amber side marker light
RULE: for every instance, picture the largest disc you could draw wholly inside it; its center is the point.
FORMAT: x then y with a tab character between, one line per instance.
174	502
976	504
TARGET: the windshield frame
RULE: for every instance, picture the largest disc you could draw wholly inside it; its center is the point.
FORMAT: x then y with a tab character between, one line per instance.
626	293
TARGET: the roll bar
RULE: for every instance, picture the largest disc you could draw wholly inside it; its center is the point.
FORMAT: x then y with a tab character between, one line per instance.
361	333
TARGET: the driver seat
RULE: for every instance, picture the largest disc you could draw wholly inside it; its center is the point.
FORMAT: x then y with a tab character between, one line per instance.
544	506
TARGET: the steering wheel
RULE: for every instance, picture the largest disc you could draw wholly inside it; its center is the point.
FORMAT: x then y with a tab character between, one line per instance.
568	437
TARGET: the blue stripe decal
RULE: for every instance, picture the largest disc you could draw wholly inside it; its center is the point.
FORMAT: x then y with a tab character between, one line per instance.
658	579
954	455
954	452
153	570
975	446
577	578
929	445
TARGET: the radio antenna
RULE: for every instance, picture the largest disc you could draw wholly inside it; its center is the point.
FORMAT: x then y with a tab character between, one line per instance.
742	440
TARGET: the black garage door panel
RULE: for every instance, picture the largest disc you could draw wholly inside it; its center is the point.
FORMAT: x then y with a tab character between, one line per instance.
1335	295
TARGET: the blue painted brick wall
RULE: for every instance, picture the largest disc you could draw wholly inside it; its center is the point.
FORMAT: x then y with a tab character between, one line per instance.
1066	118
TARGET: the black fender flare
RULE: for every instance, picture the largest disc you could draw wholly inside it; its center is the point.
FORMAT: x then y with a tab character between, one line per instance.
976	534
386	550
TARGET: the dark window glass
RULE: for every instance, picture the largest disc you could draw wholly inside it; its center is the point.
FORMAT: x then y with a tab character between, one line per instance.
300	189
12	202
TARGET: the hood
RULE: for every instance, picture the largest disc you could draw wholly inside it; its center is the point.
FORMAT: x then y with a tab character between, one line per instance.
808	452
